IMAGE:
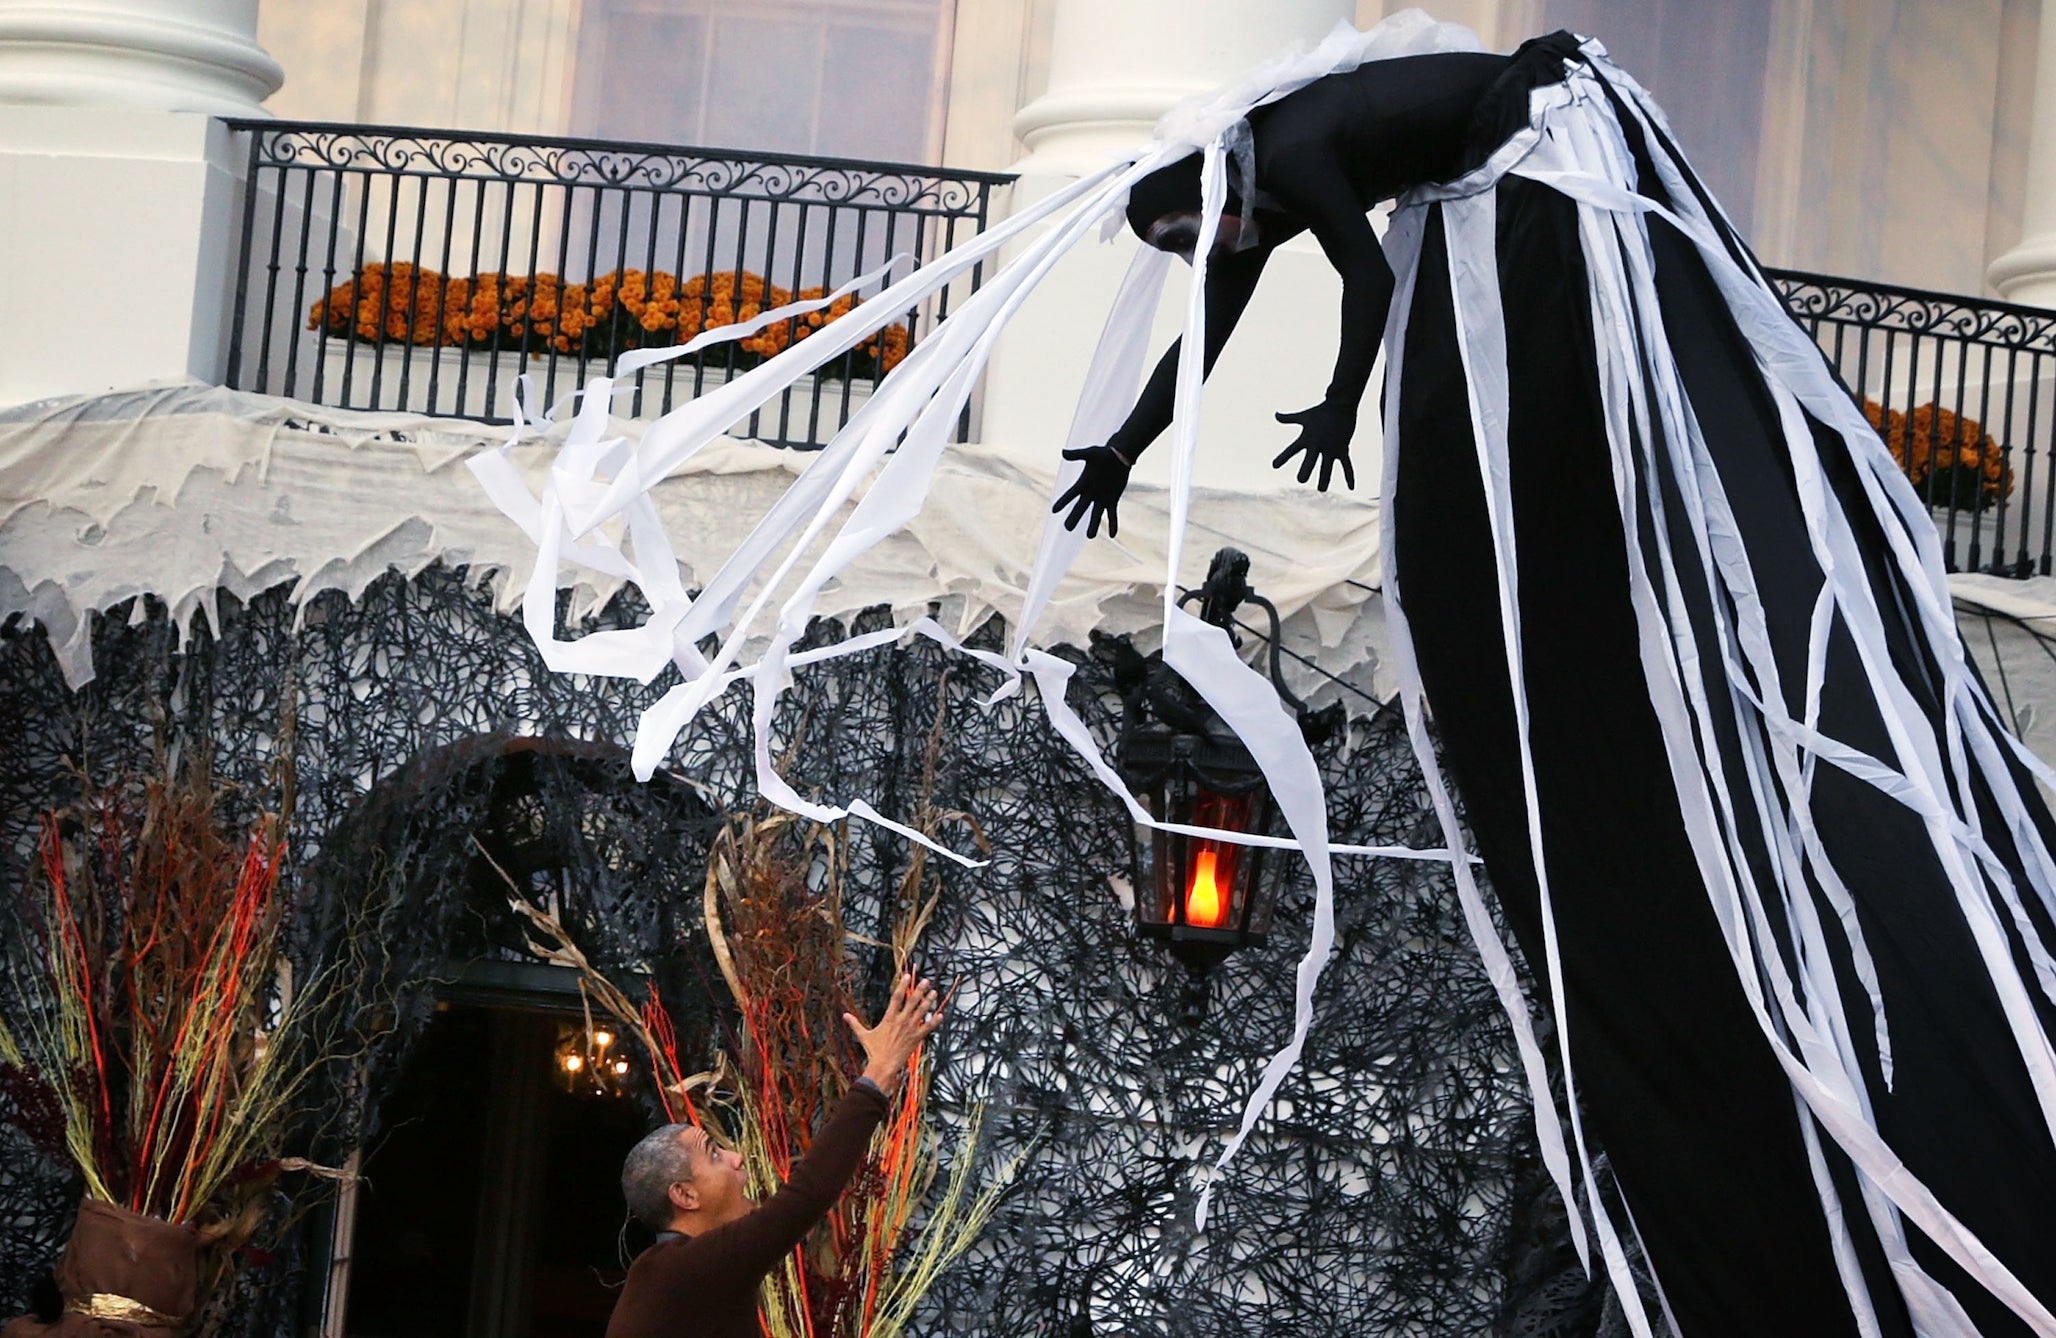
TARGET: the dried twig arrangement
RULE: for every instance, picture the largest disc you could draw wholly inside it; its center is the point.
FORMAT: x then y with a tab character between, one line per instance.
774	910
774	913
160	1043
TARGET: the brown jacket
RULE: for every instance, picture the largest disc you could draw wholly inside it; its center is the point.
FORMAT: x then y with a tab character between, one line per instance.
705	1286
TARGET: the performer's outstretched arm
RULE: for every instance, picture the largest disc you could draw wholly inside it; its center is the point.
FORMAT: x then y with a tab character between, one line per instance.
1230	282
1315	187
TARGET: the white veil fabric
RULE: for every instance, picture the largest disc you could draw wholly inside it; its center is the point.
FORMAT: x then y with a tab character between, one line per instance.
598	484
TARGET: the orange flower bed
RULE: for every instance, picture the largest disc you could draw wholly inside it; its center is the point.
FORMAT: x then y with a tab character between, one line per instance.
538	314
1950	459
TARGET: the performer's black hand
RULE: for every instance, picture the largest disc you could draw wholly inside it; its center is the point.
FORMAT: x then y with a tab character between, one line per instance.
1097	490
1324	433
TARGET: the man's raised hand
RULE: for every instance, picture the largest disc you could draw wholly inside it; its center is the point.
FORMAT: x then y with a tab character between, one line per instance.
912	1014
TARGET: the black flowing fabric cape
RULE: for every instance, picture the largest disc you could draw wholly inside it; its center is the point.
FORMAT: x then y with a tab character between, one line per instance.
1766	818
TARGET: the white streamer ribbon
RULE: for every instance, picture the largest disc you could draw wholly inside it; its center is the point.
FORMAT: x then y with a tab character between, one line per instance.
596	512
1584	157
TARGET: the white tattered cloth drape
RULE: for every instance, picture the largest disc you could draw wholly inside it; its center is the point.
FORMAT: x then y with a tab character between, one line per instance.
594	513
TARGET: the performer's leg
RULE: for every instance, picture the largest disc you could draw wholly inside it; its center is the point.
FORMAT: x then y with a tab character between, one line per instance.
1960	1111
1680	1088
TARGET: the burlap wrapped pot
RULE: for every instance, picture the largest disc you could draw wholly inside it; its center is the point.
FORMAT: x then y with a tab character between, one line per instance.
122	1275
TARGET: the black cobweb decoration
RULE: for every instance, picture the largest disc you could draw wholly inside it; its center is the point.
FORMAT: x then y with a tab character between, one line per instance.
1392	1188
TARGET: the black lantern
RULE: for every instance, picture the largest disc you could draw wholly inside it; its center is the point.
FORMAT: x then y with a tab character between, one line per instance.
1204	897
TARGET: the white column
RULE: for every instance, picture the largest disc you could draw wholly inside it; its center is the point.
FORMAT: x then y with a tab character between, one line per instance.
121	187
2027	273
1115	67
155	55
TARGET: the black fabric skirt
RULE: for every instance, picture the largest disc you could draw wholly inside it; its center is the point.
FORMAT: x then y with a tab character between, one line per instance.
1703	1128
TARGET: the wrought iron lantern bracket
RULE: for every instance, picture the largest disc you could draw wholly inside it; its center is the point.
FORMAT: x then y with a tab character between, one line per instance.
1204	897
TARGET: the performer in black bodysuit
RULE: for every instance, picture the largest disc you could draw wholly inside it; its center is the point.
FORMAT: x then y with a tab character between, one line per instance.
1324	156
1700	1123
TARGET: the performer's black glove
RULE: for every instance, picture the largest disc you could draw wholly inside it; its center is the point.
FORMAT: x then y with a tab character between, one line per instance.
1097	489
1324	433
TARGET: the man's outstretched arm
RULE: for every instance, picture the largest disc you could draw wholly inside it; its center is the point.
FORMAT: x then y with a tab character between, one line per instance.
753	1245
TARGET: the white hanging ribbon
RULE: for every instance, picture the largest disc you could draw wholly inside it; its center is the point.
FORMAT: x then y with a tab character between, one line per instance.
1470	227
1827	1079
1203	655
1403	246
598	481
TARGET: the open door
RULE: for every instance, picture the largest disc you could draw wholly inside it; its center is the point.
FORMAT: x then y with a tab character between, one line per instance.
491	1203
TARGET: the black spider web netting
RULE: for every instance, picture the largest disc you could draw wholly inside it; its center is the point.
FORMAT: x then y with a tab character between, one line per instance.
1391	1189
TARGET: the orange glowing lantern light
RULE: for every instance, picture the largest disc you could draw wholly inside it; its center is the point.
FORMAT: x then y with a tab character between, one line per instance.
1204	904
1204	896
584	1065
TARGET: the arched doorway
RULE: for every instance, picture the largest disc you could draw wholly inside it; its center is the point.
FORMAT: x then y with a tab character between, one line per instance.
488	1202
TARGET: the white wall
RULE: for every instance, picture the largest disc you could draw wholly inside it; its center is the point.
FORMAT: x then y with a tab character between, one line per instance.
1896	151
1707	62
849	78
999	63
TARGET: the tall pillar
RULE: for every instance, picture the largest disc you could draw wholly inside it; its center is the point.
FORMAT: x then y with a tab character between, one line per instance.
121	187
1115	67
2027	273
156	55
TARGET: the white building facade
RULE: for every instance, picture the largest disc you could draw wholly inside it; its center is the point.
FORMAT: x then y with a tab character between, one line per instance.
1909	143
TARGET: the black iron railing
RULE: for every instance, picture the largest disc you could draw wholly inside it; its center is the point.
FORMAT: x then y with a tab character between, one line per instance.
419	270
1963	391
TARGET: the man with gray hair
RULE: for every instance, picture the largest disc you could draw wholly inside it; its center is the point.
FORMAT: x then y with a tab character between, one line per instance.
714	1246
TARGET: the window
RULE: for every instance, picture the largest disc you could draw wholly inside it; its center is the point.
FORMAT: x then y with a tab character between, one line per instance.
849	78
1704	64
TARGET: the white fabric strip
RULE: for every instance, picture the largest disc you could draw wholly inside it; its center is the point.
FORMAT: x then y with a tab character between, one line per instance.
1203	655
1403	247
920	399
1469	226
639	652
1111	384
1844	1112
